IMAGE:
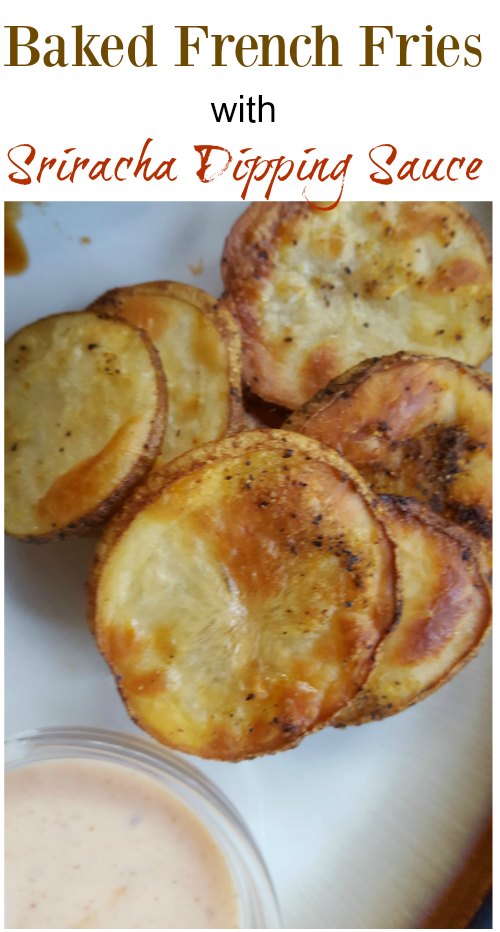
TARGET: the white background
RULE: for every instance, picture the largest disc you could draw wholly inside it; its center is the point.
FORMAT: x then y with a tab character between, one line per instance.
109	112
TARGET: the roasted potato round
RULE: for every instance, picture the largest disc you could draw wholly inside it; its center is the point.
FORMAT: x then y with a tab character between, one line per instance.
413	426
240	596
200	349
316	292
85	414
445	616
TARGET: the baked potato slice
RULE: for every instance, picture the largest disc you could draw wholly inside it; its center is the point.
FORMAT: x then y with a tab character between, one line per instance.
446	614
85	415
240	596
316	292
200	349
413	426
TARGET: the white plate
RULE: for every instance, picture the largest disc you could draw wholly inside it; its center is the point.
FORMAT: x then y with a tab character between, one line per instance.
361	828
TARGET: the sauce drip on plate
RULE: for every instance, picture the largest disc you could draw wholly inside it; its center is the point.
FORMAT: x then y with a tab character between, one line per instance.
16	254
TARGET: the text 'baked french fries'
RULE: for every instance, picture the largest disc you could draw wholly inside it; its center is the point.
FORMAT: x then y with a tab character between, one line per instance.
240	596
200	349
446	613
316	292
85	416
413	426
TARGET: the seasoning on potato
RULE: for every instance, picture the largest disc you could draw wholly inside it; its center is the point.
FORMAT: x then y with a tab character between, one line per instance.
240	598
446	613
413	426
316	292
200	349
85	416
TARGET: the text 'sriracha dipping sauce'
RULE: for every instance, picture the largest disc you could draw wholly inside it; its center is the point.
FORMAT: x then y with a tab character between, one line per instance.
93	845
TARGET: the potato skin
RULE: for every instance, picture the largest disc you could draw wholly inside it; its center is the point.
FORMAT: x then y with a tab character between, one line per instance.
25	340
265	534
315	292
200	348
414	426
445	618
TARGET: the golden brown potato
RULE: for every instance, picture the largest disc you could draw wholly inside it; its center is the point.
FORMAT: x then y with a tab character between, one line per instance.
200	349
315	292
413	426
240	596
446	614
85	415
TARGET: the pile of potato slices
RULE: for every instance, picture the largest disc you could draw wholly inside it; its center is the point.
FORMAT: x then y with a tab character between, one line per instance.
96	398
251	586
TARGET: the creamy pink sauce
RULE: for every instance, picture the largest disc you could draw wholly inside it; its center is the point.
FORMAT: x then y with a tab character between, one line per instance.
93	845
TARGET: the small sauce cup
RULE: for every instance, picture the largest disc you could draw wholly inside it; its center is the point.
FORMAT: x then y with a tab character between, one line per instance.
255	896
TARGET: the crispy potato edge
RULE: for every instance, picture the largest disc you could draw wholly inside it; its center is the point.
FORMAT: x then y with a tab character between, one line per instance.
243	262
348	382
364	708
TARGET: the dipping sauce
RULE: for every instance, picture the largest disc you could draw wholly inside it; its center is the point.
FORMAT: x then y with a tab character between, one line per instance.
95	845
16	254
